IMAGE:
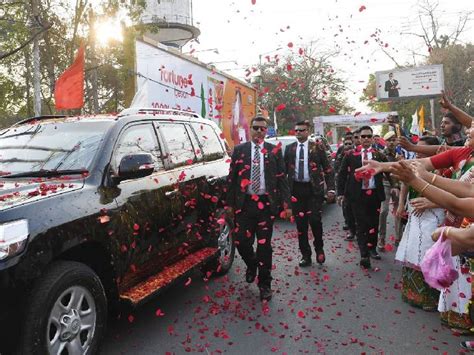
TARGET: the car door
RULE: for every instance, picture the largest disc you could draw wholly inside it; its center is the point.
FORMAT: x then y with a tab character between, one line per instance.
182	157
142	222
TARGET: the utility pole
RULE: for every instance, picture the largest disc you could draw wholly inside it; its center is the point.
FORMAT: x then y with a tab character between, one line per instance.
35	22
94	84
432	113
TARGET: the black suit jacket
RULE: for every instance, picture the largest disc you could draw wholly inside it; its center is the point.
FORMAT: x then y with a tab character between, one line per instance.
276	184
349	187
392	89
319	168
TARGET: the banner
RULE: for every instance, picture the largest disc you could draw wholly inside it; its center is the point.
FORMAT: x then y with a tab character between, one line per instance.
426	81
183	83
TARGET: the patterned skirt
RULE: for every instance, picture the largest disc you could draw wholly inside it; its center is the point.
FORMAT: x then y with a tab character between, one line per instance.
459	314
416	292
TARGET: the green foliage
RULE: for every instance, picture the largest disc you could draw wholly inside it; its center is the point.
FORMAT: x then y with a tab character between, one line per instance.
70	26
306	84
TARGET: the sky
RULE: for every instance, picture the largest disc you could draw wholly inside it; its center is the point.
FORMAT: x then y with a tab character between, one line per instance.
245	32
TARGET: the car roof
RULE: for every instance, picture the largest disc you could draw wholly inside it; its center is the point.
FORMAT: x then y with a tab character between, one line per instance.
163	114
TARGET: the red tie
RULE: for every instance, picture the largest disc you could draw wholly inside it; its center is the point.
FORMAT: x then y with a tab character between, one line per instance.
366	181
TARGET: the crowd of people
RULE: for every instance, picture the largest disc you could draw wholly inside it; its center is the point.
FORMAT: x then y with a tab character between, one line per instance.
435	200
425	183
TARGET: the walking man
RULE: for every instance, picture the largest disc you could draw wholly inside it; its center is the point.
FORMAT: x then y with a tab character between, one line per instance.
257	189
307	167
363	194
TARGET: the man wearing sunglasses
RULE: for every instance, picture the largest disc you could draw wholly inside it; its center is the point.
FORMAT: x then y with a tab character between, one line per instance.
257	189
308	168
364	194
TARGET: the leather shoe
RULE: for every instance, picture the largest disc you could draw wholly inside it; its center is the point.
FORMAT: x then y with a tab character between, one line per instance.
320	257
305	262
345	227
365	263
265	293
250	274
375	255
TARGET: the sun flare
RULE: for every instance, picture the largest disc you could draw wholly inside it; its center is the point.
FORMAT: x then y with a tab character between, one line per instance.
108	31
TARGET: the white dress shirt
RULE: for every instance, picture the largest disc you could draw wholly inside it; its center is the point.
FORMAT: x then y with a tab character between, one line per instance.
297	161
262	190
369	157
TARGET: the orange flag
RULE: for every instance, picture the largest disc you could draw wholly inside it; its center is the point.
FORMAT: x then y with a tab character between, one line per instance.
69	89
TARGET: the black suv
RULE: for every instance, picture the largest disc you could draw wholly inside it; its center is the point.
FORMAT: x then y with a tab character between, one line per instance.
104	210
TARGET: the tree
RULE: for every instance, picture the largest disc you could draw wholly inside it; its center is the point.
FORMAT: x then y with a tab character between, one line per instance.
63	27
301	87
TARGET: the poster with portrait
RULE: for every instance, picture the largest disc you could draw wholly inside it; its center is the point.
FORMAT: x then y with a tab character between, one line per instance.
425	81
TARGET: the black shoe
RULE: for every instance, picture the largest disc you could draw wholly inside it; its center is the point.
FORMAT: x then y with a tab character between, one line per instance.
345	227
250	274
320	257
350	237
374	254
265	293
365	263
305	262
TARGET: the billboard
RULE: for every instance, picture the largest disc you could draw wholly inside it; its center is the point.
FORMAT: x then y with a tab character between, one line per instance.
426	81
173	81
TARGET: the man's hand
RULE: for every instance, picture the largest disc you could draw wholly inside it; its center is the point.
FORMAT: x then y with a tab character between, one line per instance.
403	172
370	165
331	197
405	143
444	101
288	213
229	211
340	200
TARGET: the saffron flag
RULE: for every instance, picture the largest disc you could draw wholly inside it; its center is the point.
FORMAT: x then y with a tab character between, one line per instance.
69	88
421	121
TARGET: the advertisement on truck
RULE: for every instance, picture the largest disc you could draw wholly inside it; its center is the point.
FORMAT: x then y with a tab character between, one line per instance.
172	80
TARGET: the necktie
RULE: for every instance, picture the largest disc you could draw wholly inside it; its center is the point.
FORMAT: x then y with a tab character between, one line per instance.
366	181
301	163
256	170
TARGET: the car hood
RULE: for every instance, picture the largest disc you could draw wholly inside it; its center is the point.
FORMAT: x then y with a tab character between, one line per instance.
18	192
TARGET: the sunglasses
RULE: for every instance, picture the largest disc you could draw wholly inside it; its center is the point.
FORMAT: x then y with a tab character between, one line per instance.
348	144
300	129
366	136
259	128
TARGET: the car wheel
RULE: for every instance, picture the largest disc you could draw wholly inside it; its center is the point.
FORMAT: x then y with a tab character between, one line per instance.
226	249
66	312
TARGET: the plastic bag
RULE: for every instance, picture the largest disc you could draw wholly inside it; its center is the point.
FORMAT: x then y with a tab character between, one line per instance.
437	265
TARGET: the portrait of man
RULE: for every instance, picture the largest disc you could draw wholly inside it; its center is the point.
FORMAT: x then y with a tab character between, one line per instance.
391	86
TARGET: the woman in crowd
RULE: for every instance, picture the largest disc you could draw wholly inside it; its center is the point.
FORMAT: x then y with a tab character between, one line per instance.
454	301
423	218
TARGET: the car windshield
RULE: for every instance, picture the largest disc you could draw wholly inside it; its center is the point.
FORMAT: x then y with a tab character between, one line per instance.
50	146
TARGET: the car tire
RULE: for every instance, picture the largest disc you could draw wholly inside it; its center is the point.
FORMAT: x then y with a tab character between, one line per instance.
67	308
222	263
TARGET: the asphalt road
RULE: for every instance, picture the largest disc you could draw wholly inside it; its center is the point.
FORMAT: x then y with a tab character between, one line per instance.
335	309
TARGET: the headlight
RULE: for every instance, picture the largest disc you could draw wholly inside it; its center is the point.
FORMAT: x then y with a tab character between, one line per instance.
13	236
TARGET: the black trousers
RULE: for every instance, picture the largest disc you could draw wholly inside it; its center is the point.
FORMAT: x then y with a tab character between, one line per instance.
367	212
254	222
349	216
307	211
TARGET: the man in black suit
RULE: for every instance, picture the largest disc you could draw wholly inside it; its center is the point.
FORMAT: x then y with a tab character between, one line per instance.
308	168
257	189
391	86
364	195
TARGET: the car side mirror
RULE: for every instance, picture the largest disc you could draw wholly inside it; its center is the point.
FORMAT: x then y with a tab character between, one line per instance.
135	166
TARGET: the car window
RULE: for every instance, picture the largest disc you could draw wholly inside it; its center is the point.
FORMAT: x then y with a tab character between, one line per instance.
180	147
209	141
135	140
50	146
